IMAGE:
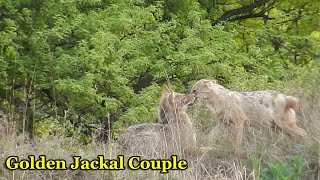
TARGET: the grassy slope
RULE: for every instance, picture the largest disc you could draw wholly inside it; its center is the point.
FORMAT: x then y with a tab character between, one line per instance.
263	154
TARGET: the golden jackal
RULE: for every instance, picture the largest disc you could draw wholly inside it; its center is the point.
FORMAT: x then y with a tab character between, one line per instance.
258	108
174	132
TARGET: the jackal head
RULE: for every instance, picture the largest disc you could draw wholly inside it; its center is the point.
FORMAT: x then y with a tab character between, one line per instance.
202	87
173	104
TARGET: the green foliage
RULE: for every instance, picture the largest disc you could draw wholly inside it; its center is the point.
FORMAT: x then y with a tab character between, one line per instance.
78	64
283	170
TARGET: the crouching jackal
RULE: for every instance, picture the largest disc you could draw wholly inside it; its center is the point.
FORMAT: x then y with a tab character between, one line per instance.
174	132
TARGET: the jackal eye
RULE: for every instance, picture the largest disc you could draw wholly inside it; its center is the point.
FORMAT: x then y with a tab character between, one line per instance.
194	91
184	100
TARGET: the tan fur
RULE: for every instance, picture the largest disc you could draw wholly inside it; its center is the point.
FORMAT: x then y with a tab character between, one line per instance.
291	103
257	108
174	130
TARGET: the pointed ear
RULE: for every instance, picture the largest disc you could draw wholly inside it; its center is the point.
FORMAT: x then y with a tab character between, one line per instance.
165	90
209	83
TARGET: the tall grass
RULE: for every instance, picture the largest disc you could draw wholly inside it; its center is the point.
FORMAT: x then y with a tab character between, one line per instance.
265	153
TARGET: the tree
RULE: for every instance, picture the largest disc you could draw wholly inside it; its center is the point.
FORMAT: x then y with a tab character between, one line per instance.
75	67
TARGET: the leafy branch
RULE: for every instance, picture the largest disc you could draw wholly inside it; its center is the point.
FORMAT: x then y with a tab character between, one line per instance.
244	12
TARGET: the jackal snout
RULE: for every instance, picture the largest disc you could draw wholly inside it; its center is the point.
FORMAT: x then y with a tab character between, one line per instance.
175	99
183	100
202	88
189	99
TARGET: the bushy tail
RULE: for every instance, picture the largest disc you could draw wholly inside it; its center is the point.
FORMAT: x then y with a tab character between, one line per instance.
292	102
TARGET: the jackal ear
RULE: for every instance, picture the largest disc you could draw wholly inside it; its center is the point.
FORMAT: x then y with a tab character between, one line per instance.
214	81
171	99
165	90
209	83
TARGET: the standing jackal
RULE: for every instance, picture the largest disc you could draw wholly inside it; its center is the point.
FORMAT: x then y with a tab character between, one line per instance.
256	108
174	130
